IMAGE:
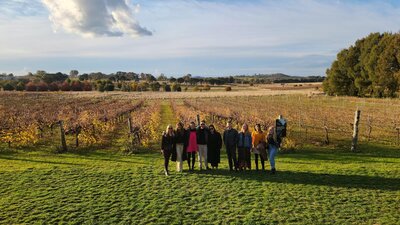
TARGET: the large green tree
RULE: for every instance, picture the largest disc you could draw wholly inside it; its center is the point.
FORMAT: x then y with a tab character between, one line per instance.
370	67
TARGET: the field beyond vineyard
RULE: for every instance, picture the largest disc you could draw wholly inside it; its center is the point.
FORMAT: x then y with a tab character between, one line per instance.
111	174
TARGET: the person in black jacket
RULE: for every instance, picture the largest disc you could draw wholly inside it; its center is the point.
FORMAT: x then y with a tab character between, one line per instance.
180	143
202	140
214	147
167	146
230	141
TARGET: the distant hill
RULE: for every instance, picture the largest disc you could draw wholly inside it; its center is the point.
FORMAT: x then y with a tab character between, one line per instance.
281	78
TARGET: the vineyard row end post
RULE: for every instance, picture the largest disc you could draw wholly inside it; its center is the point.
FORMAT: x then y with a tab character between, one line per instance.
355	130
62	133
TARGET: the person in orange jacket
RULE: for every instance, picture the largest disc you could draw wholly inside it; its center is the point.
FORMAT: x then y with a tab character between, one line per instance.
258	137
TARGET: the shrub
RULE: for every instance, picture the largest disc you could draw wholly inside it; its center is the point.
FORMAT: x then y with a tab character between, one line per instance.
87	86
155	86
167	88
175	87
30	86
64	86
53	87
76	86
109	87
42	86
206	87
20	86
8	87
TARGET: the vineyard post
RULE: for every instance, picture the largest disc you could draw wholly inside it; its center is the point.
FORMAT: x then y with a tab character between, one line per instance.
299	124
355	130
62	132
131	135
198	118
326	133
130	125
398	135
369	127
77	132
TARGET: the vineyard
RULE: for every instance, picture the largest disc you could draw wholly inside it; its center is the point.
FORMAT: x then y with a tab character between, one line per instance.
80	121
316	120
74	121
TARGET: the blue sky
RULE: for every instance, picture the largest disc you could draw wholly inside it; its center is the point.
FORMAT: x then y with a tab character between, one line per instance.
176	37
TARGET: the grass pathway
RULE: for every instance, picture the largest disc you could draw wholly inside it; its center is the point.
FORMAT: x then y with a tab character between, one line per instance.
167	116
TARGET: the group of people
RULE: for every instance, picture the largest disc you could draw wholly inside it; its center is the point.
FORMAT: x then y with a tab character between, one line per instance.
182	144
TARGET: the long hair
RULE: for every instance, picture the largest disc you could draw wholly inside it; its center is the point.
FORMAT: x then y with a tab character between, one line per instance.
179	128
245	131
259	127
169	127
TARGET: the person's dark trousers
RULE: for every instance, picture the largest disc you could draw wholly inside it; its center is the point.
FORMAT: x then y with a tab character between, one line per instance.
167	155
241	158
193	156
231	151
262	161
247	156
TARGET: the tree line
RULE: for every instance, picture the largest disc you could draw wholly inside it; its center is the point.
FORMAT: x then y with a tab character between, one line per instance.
369	68
130	81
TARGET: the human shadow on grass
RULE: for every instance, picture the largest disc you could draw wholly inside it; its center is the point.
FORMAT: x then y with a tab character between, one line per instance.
309	178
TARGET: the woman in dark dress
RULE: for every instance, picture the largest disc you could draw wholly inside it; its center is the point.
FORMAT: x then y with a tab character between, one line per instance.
214	147
168	146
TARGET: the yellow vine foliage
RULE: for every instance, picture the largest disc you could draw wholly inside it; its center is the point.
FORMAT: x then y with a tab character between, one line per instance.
151	128
25	137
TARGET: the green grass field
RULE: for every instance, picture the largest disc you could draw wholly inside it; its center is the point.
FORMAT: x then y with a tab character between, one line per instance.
313	186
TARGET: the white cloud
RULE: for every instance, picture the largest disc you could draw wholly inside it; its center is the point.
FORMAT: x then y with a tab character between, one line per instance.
90	18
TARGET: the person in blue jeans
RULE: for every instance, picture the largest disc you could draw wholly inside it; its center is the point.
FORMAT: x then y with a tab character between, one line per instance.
273	146
274	138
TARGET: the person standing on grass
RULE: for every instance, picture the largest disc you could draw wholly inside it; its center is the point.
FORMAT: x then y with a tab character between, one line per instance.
273	146
214	146
168	146
244	145
202	140
180	142
274	139
258	137
192	148
230	141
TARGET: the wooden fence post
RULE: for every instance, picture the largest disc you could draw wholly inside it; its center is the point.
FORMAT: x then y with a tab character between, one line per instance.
130	125
62	133
398	135
369	121
355	130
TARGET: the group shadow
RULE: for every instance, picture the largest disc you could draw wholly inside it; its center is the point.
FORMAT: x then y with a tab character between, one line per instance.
309	178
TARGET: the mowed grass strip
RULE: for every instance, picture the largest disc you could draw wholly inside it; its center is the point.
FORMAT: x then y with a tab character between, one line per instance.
312	186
